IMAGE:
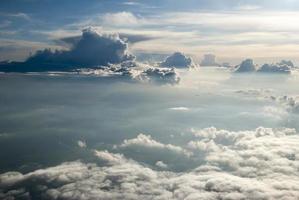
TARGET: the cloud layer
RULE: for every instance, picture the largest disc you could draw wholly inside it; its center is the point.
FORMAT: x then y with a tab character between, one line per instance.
258	164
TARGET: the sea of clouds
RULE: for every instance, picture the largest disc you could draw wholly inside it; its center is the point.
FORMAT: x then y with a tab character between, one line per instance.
255	164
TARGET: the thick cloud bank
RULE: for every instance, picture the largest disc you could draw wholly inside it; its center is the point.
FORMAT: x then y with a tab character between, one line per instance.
258	164
178	60
246	66
91	50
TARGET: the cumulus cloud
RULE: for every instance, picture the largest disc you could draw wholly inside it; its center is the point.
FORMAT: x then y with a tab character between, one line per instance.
146	141
135	71
275	68
178	60
160	76
161	164
91	50
256	164
246	66
284	67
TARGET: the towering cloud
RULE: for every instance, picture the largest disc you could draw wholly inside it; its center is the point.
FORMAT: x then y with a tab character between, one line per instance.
92	49
178	60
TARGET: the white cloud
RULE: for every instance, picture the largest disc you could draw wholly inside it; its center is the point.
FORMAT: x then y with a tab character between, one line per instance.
121	19
179	109
81	144
257	164
146	141
161	164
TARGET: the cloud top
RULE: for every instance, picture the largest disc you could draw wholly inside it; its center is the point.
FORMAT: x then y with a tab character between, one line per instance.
92	49
178	60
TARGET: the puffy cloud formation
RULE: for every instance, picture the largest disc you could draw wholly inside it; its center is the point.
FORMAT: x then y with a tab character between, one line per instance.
284	67
178	60
287	62
275	68
246	66
92	49
160	76
145	141
135	71
258	164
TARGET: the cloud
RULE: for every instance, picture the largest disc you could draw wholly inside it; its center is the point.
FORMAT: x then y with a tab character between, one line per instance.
284	67
135	71
275	68
146	141
246	66
81	144
178	60
256	164
161	165
180	109
160	76
92	49
121	19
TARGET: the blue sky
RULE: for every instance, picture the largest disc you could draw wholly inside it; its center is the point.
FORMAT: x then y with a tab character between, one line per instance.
231	29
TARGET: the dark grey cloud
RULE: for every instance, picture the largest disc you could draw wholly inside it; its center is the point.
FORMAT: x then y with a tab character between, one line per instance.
90	50
246	66
275	68
178	60
284	67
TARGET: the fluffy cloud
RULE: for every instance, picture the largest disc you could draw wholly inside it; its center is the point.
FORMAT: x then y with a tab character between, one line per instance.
284	67
160	76
146	141
136	71
257	164
178	60
275	68
246	66
91	50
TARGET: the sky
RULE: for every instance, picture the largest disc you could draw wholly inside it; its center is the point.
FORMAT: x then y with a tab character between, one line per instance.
232	29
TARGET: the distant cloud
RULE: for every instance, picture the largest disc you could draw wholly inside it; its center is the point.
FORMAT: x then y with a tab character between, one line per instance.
275	68
248	7
121	19
246	66
180	109
91	50
160	76
16	15
284	67
178	60
146	141
81	144
161	165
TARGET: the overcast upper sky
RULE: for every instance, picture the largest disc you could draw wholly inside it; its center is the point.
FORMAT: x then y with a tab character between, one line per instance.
231	29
